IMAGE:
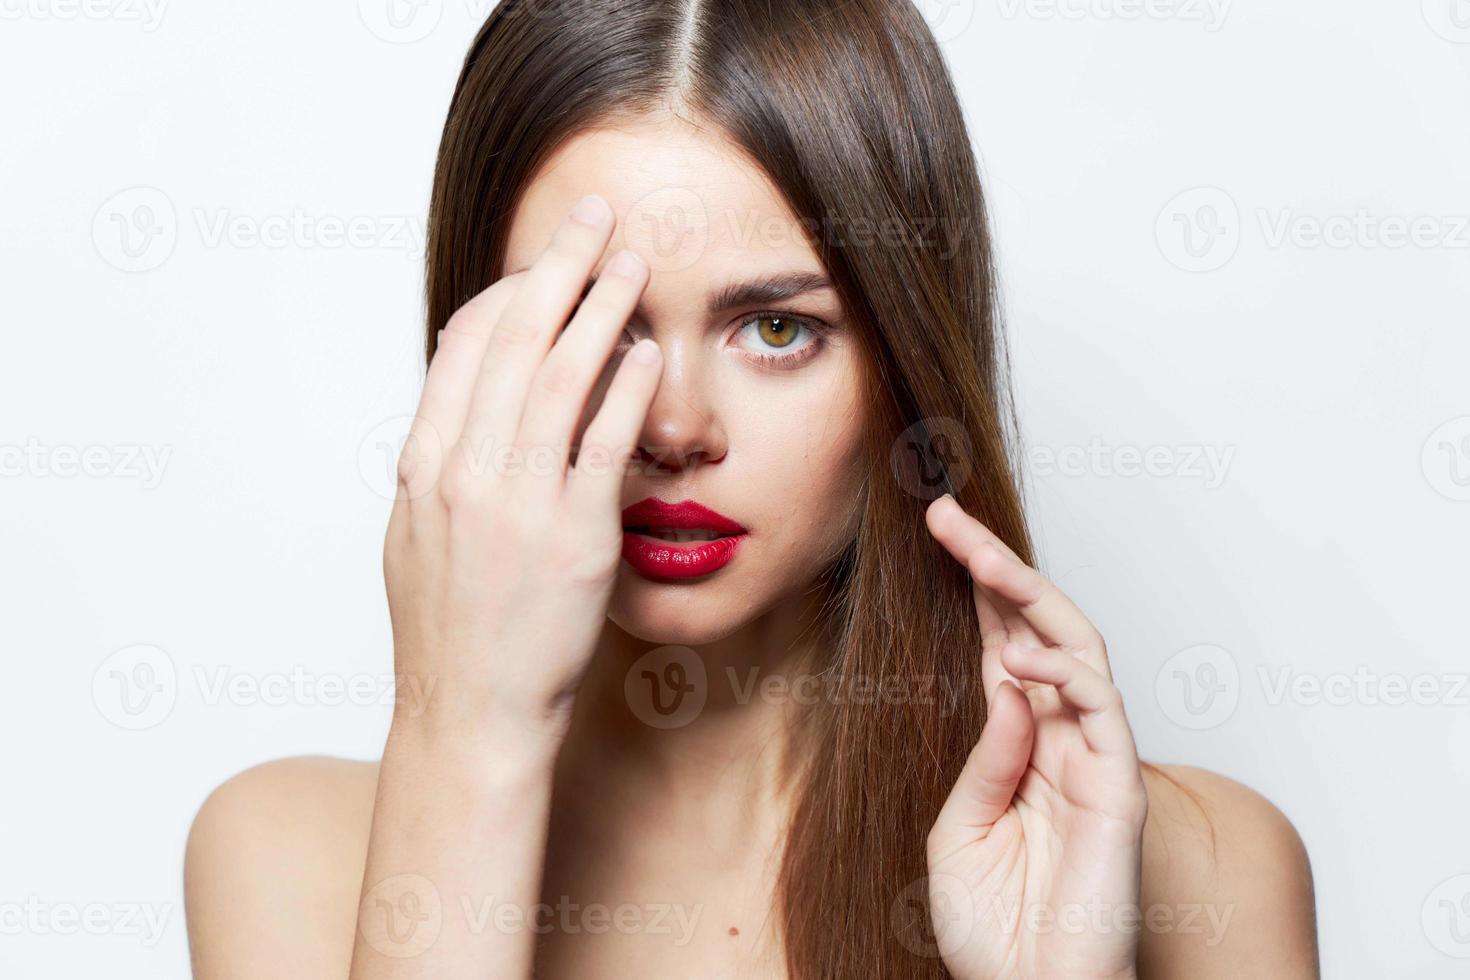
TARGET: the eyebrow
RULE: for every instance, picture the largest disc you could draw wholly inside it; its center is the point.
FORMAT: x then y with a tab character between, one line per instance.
778	287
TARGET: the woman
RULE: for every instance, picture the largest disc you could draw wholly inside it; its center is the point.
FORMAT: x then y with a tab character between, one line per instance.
720	649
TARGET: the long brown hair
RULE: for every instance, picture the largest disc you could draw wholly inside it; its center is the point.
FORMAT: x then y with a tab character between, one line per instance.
849	108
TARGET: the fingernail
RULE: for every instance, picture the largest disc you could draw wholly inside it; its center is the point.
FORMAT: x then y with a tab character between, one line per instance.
592	210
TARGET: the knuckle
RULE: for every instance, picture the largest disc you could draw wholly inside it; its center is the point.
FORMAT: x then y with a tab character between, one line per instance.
510	335
458	487
1136	810
558	378
415	473
463	321
1088	642
480	311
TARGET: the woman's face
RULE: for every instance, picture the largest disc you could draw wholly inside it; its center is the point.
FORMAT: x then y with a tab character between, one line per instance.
758	414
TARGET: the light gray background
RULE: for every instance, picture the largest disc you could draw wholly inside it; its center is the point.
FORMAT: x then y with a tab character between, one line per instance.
1233	238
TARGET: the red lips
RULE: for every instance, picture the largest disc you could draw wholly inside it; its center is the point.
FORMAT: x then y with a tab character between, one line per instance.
655	558
685	515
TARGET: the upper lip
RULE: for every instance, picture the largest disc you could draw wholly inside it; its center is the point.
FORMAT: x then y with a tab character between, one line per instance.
652	513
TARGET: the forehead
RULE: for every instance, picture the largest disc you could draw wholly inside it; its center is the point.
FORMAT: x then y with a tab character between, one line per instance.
688	201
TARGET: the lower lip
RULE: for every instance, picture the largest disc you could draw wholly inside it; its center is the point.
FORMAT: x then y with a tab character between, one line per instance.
659	559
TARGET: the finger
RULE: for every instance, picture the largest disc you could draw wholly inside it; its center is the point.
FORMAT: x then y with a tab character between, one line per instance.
595	484
524	332
987	783
1034	598
440	417
952	523
993	638
994	632
564	382
961	534
1097	702
1048	611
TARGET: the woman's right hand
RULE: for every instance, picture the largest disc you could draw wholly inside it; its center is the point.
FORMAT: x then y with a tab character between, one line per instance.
500	555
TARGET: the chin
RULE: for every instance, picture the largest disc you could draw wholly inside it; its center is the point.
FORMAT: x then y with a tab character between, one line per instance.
693	613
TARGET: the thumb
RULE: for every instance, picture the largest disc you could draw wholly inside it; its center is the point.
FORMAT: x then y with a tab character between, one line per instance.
995	766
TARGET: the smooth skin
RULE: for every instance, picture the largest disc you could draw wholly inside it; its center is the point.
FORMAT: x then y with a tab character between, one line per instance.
508	785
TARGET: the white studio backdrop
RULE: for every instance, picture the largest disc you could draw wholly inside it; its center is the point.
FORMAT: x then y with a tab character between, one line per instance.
1235	245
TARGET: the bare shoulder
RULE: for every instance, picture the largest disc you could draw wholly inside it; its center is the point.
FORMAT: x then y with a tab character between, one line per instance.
273	869
1226	880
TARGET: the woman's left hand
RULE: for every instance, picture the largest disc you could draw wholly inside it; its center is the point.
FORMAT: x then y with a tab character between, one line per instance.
1035	859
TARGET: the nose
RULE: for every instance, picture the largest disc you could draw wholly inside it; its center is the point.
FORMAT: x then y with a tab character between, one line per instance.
682	430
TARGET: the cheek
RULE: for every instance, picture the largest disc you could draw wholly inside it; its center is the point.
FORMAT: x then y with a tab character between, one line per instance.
804	459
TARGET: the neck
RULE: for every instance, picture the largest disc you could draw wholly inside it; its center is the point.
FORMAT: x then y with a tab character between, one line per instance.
704	723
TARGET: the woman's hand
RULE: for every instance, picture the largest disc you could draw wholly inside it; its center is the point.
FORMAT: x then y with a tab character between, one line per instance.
501	554
1034	860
